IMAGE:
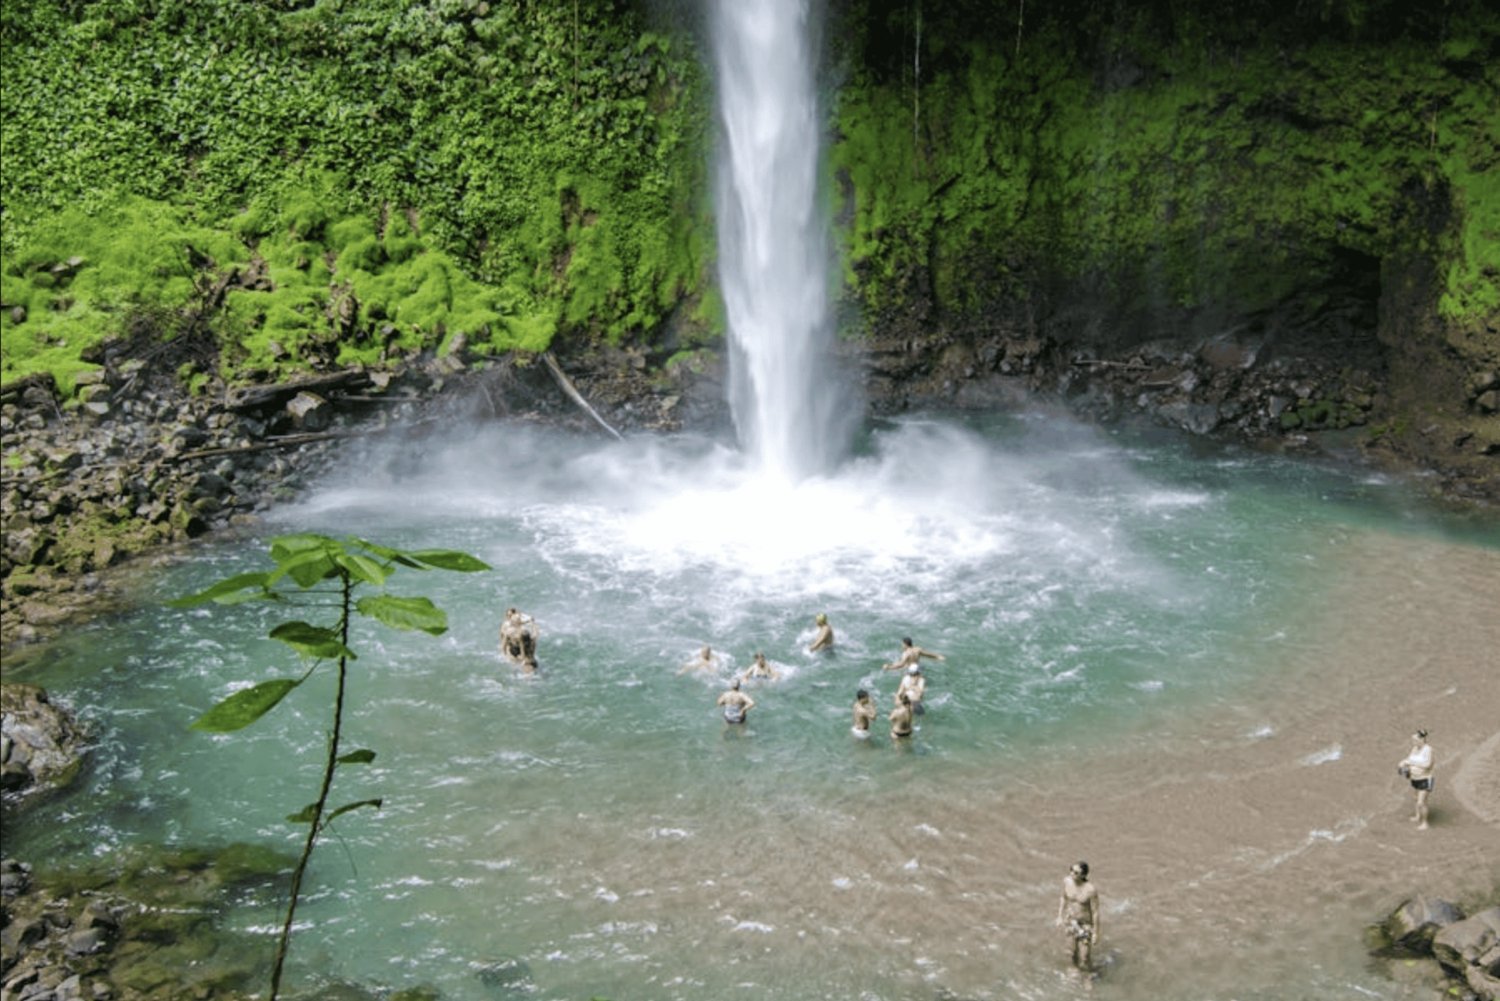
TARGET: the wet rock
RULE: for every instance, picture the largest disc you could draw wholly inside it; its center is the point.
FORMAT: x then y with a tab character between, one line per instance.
1466	943
309	411
44	745
1411	926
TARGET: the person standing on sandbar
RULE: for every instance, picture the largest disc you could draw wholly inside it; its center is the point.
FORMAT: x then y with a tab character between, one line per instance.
1078	914
1416	767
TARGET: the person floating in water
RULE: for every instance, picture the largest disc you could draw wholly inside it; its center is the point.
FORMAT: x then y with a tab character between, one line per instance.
824	639
1416	768
518	635
910	654
864	713
737	704
900	717
760	668
1078	914
913	687
707	662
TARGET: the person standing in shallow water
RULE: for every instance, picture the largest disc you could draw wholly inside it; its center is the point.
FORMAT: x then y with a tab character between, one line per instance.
1078	914
518	634
911	654
864	713
900	717
1416	767
737	704
824	639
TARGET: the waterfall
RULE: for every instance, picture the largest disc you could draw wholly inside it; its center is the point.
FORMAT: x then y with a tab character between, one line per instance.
791	410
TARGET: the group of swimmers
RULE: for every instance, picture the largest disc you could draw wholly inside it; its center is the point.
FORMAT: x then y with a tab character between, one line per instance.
1078	909
736	703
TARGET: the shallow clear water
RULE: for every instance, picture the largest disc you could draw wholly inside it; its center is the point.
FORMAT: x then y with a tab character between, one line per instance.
601	823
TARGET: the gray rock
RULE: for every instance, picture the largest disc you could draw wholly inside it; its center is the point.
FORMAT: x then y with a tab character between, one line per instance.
1463	943
1412	925
309	411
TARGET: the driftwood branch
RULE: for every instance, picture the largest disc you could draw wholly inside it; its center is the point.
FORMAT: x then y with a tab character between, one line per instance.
283	441
572	393
1136	366
276	394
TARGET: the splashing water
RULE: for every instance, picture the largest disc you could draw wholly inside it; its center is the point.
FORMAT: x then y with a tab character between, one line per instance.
773	254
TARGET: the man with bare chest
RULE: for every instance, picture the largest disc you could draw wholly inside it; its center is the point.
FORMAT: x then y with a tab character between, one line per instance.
1078	914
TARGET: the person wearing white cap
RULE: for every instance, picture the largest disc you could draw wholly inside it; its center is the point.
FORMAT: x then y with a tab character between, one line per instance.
913	687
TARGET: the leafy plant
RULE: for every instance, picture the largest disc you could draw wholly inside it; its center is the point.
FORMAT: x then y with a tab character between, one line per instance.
305	562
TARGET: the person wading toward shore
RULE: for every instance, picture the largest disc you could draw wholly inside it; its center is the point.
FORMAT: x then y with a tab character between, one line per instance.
1416	767
737	704
1078	914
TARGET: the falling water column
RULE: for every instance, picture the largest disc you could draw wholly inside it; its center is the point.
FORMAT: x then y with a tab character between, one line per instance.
773	247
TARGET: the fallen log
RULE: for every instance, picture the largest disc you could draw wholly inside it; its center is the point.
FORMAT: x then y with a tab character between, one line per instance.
275	394
572	393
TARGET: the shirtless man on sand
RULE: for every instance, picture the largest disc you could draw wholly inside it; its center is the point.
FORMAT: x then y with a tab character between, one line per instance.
1078	914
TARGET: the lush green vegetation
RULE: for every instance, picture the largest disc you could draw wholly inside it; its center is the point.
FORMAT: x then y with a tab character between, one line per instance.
399	173
388	177
1171	159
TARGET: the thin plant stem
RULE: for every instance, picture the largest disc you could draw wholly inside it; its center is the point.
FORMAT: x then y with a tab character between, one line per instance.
317	818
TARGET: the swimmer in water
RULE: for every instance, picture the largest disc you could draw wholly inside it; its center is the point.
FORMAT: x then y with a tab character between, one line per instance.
760	668
824	639
707	662
900	717
518	635
913	687
910	654
864	713
737	704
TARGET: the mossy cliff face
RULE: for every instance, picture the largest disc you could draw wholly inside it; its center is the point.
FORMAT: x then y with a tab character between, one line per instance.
305	186
1107	175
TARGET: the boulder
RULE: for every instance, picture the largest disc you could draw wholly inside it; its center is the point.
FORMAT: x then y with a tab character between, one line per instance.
1411	926
44	746
309	411
1464	943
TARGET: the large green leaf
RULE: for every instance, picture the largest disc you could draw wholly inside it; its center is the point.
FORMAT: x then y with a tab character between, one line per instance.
314	641
284	546
362	567
449	559
228	591
304	815
245	707
387	553
306	567
404	613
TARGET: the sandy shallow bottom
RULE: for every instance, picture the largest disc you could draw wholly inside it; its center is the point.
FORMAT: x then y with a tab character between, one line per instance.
1239	851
